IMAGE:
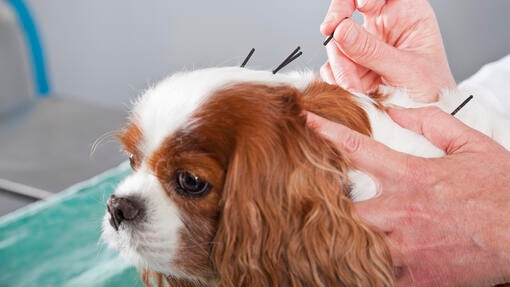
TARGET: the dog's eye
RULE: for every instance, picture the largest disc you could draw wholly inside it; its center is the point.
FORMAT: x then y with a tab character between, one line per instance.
132	161
191	185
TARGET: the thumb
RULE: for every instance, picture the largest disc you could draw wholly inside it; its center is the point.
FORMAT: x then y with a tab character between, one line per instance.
440	128
342	70
368	51
366	154
338	10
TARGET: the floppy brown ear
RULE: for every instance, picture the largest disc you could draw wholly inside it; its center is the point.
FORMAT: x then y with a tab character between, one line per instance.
338	105
286	216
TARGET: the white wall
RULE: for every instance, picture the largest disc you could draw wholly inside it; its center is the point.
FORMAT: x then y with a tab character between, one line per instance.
108	51
474	32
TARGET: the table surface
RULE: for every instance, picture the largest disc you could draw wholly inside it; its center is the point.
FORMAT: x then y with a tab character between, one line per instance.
47	145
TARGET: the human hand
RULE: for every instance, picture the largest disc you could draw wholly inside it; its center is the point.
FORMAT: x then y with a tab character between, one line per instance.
447	219
398	45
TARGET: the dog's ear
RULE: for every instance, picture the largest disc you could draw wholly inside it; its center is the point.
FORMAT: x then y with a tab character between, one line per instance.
338	105
286	216
151	278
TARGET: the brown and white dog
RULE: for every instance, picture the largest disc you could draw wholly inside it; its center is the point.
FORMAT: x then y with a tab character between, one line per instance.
232	188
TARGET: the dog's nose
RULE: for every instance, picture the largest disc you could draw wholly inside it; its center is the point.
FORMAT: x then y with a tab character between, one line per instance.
122	209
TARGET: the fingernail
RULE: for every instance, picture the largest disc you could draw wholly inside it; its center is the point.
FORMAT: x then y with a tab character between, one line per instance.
329	18
351	141
319	125
311	120
361	3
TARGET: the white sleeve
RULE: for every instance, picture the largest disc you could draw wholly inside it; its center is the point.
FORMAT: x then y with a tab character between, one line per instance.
491	85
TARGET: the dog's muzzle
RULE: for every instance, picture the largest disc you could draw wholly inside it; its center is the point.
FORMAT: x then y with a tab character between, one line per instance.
123	209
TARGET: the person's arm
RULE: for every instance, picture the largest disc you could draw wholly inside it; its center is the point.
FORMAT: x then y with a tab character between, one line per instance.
398	45
447	219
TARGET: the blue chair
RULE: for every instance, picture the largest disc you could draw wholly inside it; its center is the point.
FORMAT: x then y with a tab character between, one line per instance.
45	138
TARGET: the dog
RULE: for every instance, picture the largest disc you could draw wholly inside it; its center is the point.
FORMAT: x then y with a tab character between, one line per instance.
230	187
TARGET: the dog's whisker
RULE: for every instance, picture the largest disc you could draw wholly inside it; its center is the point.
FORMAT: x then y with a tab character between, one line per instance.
101	140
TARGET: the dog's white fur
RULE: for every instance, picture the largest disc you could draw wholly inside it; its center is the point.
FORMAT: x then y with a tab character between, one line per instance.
167	106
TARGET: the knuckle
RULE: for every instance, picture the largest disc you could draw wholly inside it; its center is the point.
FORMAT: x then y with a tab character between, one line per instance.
418	174
352	142
366	47
431	114
340	76
431	117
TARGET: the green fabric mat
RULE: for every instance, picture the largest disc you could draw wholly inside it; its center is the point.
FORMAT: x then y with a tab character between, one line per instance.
56	242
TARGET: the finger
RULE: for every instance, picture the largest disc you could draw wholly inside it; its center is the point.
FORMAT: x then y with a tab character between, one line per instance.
379	216
367	155
370	80
344	71
370	7
372	211
327	74
442	129
368	51
338	10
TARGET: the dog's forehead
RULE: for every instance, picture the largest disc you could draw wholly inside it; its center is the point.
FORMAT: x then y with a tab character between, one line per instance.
161	110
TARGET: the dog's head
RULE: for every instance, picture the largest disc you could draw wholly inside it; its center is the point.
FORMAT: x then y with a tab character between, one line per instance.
231	188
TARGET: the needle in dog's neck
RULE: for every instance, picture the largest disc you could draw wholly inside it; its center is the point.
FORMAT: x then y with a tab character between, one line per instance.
294	55
247	58
461	105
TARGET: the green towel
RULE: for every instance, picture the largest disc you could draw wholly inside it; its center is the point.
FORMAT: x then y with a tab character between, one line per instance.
56	242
